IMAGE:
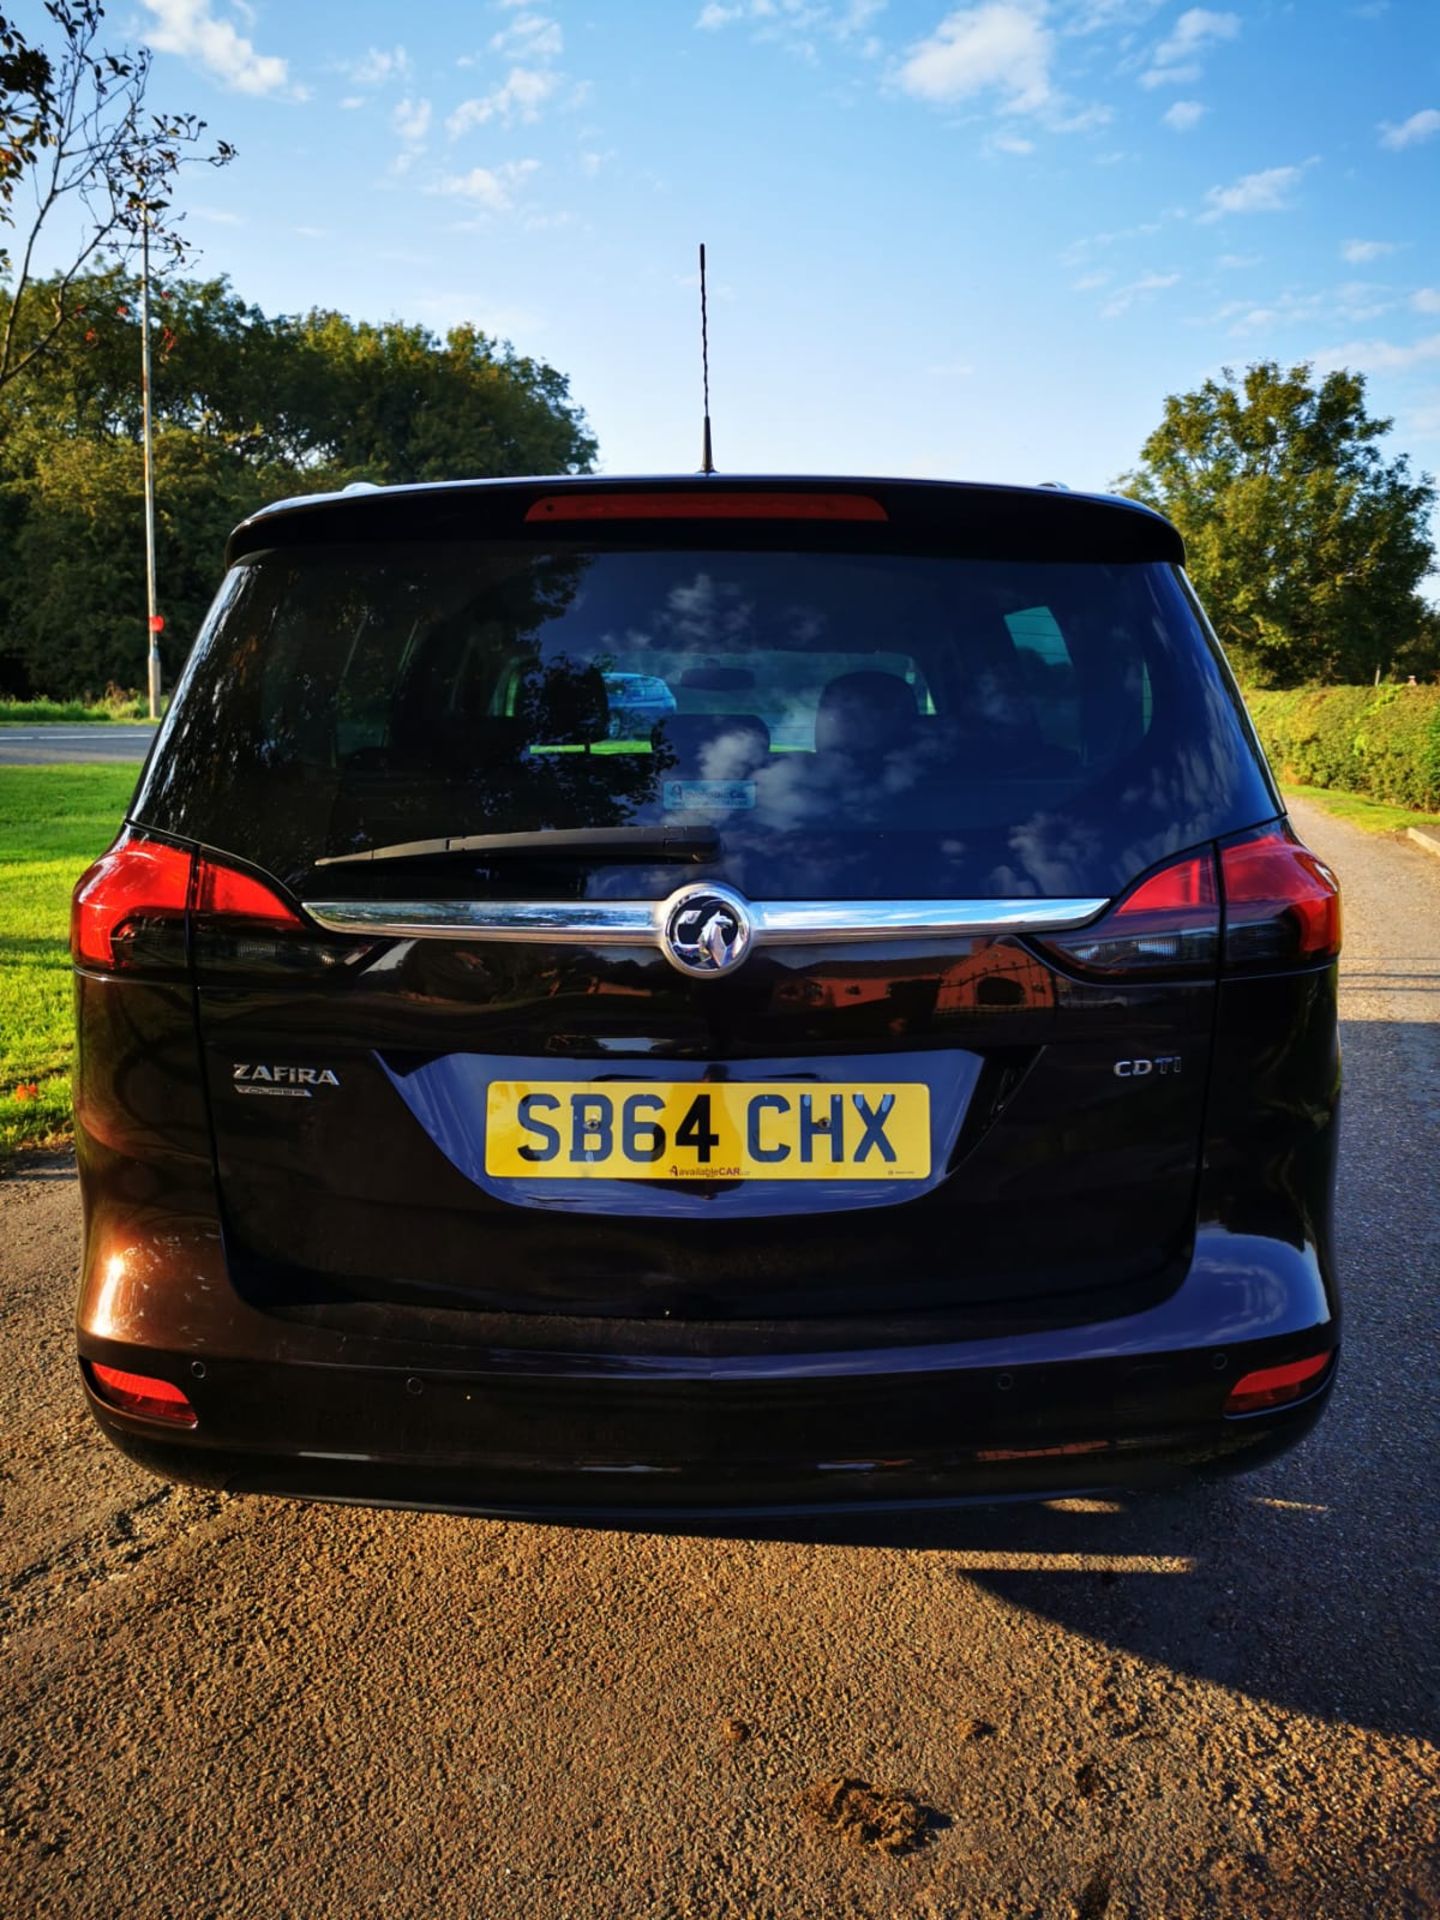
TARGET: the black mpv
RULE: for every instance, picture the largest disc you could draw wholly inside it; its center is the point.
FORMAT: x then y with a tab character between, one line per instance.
894	1061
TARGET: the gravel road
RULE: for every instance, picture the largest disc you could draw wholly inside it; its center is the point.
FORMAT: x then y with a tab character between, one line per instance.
1219	1703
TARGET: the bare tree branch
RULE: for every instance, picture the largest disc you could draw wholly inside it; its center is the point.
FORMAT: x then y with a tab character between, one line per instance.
73	125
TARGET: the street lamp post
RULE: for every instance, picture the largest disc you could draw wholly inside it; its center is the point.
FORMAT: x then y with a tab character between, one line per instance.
154	623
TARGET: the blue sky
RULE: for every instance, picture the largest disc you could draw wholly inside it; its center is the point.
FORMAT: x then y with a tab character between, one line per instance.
980	242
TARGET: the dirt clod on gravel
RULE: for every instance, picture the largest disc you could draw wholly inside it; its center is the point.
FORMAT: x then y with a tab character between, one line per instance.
971	1729
885	1820
733	1731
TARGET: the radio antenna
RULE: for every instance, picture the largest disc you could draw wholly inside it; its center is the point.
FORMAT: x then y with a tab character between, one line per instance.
707	457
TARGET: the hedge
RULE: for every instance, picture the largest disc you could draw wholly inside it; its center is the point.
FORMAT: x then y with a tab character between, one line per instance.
1381	741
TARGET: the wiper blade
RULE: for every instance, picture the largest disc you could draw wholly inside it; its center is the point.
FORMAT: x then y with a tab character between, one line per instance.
562	843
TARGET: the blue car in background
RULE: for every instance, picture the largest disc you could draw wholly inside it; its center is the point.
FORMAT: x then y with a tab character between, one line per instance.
638	702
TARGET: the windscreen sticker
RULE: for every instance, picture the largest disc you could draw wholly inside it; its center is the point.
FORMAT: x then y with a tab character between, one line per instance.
708	796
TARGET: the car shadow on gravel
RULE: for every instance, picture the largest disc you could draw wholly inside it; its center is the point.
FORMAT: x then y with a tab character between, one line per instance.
1286	1599
1312	1582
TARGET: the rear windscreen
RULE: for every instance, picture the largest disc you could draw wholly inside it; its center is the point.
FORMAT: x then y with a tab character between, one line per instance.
877	725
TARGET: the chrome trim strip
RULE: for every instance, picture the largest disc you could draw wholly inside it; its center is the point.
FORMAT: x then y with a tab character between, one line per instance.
810	920
610	923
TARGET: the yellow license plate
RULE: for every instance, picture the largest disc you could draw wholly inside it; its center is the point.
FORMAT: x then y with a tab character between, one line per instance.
666	1130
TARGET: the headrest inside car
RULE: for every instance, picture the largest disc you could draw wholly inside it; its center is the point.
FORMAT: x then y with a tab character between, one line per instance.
865	713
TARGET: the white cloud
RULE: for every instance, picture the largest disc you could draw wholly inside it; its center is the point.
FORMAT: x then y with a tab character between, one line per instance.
1355	300
1357	252
1079	251
796	24
493	188
1422	423
1409	133
530	36
1010	143
1084	120
523	93
1002	46
1197	27
1233	262
1174	61
1184	115
188	28
1267	192
1362	300
1090	283
1426	300
376	66
1098	16
1125	297
411	120
1385	354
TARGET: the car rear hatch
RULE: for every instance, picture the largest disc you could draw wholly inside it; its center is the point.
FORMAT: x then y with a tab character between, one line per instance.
745	901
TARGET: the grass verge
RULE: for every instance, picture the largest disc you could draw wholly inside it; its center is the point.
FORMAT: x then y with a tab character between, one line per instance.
18	713
1371	816
53	822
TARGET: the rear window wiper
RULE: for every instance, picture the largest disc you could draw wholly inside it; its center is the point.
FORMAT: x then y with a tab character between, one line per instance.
559	843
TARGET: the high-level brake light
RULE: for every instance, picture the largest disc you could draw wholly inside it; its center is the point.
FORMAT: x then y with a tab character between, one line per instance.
705	503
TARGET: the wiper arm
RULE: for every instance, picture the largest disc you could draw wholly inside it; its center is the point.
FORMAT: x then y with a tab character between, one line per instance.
625	843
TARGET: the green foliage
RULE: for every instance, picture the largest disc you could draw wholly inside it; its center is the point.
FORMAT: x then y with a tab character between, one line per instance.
116	705
53	823
1380	741
1306	545
248	409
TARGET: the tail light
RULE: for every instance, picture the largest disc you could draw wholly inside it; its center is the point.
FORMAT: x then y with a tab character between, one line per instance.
141	1393
1169	924
129	909
1272	904
1274	1386
1282	905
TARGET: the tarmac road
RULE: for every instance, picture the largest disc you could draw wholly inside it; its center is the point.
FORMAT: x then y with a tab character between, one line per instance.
1219	1703
96	740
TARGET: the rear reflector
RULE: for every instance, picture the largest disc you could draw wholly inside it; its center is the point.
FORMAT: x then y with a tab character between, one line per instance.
1273	1386
702	504
140	1393
1282	905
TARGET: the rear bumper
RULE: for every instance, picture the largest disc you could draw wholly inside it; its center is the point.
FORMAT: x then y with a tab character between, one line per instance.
659	1492
633	1422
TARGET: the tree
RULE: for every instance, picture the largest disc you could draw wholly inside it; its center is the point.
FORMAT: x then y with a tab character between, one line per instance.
1306	544
248	408
73	127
